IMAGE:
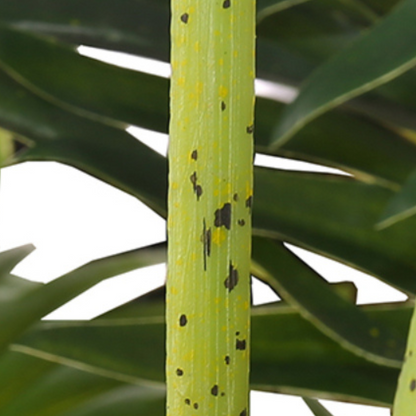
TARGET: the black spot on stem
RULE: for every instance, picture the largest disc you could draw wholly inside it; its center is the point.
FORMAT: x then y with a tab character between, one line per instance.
185	18
250	129
240	344
223	216
226	4
206	240
413	385
194	155
179	372
231	281
249	202
183	320
197	188
198	191
223	106
227	359
214	390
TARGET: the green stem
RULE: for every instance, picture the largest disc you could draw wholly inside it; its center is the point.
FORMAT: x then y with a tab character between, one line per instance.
405	399
210	197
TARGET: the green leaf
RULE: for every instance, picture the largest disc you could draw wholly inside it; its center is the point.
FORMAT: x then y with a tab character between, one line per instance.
269	7
27	302
335	216
316	408
289	355
130	98
134	26
286	350
369	150
355	70
317	302
9	259
125	401
401	206
35	387
50	133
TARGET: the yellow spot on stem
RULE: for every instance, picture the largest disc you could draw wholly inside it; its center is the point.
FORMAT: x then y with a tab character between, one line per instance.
222	91
218	236
199	87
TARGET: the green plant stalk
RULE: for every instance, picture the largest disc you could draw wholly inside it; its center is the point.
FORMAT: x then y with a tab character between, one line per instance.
405	399
6	145
210	199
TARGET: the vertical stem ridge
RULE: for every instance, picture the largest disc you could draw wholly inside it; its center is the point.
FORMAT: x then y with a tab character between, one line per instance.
210	197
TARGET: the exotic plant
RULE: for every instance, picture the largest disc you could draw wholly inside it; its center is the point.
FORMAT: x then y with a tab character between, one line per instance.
352	63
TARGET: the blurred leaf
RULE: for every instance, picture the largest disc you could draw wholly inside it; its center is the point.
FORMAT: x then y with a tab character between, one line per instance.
346	290
316	408
50	133
9	259
35	387
25	302
269	7
130	98
134	26
369	150
286	349
289	355
317	302
355	70
335	216
125	401
401	206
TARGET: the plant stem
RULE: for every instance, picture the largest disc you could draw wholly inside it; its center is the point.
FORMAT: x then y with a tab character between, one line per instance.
405	398
210	198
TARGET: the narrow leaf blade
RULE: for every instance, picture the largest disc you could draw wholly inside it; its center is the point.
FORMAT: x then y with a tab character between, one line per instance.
401	206
316	408
317	302
363	66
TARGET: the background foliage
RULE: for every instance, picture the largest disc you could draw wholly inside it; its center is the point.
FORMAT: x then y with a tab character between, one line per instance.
353	62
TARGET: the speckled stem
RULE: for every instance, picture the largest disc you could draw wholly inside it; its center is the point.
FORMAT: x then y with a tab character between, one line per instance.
405	400
210	199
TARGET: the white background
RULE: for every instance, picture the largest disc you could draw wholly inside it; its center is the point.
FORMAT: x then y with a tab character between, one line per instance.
73	218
